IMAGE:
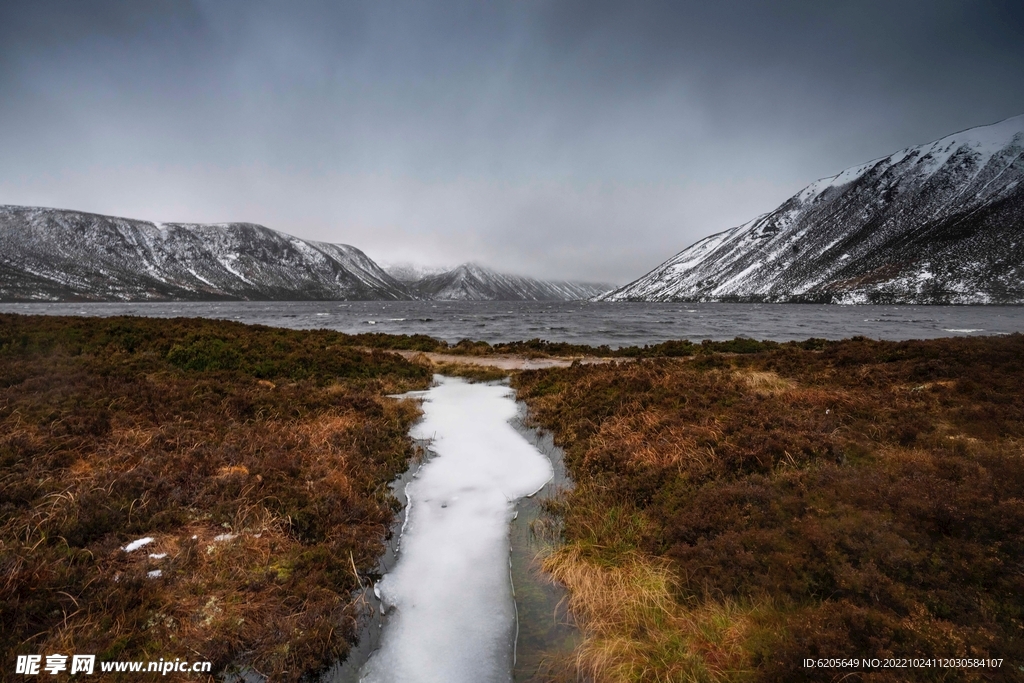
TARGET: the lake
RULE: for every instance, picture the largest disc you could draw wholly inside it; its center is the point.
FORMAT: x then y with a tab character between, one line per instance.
580	322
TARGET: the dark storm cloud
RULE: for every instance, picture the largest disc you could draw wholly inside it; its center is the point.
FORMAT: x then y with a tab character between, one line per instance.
579	139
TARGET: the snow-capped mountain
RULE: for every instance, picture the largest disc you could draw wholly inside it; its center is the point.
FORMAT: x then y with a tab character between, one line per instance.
475	283
53	254
937	223
411	272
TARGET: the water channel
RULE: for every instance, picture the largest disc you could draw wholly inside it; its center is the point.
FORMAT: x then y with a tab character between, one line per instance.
462	598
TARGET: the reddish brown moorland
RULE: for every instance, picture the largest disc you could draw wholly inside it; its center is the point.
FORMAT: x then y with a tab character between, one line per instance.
258	459
735	513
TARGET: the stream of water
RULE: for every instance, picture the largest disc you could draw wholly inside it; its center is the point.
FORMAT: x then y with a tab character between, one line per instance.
451	616
546	632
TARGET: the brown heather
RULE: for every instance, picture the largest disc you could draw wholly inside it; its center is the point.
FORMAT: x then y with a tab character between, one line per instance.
735	513
279	442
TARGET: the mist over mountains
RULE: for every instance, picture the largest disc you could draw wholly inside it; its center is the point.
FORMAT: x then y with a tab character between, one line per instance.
60	255
940	223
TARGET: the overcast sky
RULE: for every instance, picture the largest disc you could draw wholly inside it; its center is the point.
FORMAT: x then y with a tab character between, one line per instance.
585	140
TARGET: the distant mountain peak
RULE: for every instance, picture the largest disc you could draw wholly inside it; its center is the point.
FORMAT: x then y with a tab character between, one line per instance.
475	282
408	272
941	222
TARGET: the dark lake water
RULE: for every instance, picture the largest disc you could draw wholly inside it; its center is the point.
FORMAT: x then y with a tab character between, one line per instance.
614	324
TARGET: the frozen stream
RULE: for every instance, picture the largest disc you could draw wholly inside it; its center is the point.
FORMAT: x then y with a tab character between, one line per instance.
452	617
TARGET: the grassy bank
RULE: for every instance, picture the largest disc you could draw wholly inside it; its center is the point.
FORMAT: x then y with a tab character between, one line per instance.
737	512
539	348
258	459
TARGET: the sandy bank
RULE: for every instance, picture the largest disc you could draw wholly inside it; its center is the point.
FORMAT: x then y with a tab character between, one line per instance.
501	362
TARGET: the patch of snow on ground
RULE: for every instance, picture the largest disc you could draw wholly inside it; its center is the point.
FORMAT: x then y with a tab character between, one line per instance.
135	545
454	616
738	278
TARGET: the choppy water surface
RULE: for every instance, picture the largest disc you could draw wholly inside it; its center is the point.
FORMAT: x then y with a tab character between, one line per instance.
580	322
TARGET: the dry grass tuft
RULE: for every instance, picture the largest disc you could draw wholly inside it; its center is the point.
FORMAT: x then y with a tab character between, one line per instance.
765	382
471	371
634	629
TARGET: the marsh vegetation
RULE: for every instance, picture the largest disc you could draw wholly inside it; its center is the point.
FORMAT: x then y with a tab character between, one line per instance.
257	459
736	512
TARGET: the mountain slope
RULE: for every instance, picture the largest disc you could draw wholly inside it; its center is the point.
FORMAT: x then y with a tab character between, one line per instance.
53	254
470	282
937	223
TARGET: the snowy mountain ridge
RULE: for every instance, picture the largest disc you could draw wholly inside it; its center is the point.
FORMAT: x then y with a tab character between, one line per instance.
54	254
942	222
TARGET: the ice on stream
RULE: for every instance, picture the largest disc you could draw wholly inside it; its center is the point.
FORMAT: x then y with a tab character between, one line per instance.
454	617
